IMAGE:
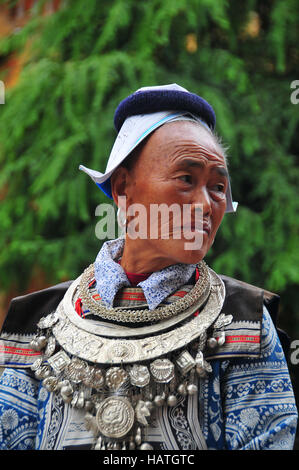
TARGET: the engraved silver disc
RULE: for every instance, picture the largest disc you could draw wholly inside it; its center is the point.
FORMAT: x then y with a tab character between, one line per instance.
115	417
121	351
76	370
94	378
116	378
162	370
139	375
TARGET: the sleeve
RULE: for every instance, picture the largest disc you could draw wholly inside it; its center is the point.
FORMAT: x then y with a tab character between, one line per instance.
18	410
259	409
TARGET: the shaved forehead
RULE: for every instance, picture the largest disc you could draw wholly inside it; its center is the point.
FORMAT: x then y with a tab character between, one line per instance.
175	135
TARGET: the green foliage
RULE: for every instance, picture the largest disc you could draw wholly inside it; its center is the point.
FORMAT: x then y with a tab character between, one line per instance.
87	57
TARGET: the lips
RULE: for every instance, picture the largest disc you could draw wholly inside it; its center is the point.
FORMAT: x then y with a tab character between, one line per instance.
207	227
203	227
193	226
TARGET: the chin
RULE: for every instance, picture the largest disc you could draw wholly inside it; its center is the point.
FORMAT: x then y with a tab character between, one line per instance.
193	255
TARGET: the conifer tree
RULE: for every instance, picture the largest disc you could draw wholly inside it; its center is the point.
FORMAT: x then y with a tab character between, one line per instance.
240	56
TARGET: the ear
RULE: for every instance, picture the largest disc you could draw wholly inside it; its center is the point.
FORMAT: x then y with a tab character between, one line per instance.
119	185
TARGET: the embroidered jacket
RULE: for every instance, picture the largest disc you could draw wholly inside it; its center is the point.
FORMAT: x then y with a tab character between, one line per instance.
247	401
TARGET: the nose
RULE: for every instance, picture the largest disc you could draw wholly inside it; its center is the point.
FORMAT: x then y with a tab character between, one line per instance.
202	202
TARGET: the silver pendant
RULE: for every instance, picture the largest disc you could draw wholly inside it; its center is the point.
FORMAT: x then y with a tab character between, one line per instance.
142	412
115	417
37	363
42	372
59	361
76	370
139	376
162	370
222	320
202	366
50	383
48	321
116	378
38	343
50	348
94	379
185	362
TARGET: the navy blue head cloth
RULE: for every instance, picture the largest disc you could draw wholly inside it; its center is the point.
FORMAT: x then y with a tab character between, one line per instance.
156	100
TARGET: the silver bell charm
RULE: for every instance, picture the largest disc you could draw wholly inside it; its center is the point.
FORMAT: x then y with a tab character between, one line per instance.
212	343
80	401
182	389
66	393
159	400
172	400
138	438
146	446
192	389
149	405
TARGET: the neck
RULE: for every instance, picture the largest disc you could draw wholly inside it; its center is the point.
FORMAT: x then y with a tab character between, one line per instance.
140	257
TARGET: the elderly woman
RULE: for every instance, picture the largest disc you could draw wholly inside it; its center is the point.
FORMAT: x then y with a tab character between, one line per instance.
149	348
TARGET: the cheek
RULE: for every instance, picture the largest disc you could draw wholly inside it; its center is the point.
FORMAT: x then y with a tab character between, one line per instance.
218	213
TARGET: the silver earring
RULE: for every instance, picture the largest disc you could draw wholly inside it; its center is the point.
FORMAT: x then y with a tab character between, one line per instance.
121	218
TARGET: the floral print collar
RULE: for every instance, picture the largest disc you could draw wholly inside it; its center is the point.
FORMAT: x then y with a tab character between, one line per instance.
110	276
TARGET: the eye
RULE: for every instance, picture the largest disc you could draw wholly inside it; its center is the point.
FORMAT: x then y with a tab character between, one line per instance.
218	191
186	178
220	188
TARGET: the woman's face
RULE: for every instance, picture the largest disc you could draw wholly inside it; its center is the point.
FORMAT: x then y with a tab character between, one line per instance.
183	169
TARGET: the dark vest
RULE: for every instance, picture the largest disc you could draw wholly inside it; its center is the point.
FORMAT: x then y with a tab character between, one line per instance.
243	301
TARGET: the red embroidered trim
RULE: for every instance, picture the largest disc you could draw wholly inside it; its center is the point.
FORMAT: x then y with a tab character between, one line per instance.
19	351
242	339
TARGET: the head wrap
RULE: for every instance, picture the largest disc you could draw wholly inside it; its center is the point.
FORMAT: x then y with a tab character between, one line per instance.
144	111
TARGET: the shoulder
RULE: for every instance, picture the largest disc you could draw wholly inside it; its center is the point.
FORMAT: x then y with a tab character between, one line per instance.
25	311
249	305
249	300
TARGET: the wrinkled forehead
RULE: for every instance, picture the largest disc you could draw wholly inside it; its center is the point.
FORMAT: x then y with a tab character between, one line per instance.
183	137
179	145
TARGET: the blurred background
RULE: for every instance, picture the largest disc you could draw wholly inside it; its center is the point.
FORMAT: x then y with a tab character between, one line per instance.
64	67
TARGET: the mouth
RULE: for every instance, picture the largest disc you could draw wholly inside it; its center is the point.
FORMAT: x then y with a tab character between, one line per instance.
205	226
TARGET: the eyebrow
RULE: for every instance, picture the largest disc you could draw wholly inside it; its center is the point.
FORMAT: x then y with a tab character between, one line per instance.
192	163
